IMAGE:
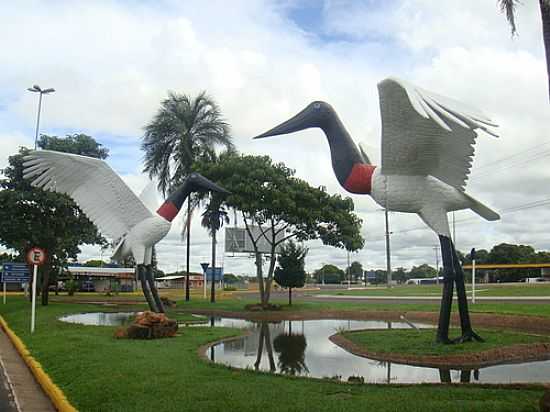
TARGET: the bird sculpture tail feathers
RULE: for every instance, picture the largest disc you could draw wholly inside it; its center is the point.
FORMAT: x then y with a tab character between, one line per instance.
481	209
117	252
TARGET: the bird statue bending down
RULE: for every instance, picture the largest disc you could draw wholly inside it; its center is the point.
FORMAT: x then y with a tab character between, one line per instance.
427	148
113	207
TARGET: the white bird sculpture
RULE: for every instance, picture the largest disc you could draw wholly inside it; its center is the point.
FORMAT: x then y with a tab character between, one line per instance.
427	149
113	207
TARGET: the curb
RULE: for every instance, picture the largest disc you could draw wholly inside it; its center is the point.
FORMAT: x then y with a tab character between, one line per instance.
56	395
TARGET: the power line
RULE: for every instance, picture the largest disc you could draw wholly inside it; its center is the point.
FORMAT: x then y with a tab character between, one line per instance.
514	209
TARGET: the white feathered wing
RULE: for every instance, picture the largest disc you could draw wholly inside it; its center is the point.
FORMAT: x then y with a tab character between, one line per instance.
101	194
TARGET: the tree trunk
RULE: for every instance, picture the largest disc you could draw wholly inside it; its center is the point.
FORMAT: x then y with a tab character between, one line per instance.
260	276
268	347
260	348
545	16
289	296
45	283
269	280
188	251
213	288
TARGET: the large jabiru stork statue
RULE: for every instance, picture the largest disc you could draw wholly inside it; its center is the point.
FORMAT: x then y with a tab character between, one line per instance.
427	149
113	207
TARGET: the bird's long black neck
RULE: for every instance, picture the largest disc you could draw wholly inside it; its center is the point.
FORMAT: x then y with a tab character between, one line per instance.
171	206
344	153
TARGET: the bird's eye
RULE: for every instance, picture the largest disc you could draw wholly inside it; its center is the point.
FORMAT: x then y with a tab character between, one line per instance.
317	105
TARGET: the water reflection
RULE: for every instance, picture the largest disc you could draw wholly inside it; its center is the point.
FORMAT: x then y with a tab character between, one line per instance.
291	349
100	318
303	348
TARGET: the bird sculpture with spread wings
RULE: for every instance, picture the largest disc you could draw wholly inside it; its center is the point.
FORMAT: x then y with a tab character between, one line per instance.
427	150
113	207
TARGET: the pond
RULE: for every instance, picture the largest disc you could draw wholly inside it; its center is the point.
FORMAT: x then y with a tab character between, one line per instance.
302	348
100	318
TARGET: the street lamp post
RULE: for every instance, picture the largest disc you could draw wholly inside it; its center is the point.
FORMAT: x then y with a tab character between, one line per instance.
36	89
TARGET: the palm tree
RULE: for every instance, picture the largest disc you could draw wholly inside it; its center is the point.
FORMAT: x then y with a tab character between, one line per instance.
183	131
509	7
213	219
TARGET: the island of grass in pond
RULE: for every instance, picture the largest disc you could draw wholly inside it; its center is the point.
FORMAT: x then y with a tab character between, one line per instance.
422	342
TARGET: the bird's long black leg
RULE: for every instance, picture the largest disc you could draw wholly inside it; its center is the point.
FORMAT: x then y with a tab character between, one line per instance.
145	288
153	288
467	332
447	295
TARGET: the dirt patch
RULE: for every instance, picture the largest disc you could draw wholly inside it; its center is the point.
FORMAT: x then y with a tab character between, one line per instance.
509	354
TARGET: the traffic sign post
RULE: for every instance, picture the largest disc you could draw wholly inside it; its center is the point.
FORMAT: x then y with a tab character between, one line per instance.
473	257
204	267
35	257
14	273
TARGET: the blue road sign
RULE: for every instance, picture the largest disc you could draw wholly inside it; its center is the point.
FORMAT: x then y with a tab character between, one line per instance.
15	273
218	274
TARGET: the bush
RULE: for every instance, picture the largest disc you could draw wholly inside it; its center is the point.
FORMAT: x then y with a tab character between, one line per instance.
229	288
71	286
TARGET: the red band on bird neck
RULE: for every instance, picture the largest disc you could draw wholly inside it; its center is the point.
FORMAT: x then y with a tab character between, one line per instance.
360	179
168	211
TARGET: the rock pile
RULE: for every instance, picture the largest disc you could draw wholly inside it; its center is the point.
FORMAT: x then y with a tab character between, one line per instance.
149	325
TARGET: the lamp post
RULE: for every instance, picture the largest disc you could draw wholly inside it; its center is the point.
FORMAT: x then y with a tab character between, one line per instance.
36	89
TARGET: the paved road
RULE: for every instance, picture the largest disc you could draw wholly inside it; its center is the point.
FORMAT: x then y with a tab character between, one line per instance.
320	297
29	394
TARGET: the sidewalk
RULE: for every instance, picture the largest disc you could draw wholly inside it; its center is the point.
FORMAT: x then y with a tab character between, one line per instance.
28	393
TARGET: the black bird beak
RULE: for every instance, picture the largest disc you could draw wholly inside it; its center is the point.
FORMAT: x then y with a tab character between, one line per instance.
202	183
299	122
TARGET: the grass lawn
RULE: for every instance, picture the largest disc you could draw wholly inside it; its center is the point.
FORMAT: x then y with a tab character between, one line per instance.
421	342
507	289
100	373
228	301
235	304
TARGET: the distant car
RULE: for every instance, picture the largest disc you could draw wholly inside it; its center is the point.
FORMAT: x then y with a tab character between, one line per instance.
536	280
87	286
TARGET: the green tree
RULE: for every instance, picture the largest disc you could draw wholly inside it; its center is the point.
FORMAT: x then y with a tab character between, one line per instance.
400	275
230	278
506	253
282	207
213	219
356	270
183	130
290	272
329	274
77	143
509	7
422	271
34	217
95	263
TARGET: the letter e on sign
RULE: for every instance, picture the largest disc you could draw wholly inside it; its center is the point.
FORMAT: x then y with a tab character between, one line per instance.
36	256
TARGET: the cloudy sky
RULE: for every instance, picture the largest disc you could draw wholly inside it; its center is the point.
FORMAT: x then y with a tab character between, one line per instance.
112	62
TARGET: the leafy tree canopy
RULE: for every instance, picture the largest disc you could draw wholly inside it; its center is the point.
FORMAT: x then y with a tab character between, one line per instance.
290	272
184	130
34	217
283	206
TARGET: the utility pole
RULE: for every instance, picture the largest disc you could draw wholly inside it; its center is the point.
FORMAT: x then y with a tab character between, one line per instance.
388	258
436	248
188	244
454	230
349	273
37	89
